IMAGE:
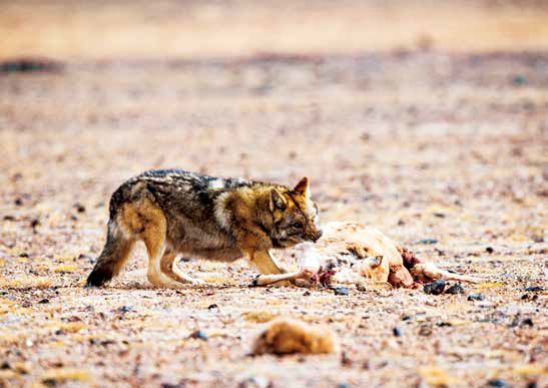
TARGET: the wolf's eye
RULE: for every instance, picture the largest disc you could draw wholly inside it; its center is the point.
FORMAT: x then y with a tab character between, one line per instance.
297	225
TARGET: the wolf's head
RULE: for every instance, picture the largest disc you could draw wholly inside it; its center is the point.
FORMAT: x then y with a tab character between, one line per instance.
295	216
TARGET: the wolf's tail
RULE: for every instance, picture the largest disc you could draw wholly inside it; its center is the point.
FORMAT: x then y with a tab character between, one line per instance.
112	258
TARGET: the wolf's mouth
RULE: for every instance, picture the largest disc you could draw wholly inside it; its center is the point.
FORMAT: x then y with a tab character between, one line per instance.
286	242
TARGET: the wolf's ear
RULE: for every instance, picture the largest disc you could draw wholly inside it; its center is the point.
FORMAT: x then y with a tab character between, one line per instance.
277	200
302	188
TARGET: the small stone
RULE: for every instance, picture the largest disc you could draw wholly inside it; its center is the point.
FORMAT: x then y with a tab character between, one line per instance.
44	301
489	250
425	330
397	332
527	322
475	297
406	318
427	241
18	202
340	290
5	365
519	79
434	288
125	309
80	208
306	293
534	289
497	383
345	360
199	334
444	324
34	223
455	289
212	306
254	382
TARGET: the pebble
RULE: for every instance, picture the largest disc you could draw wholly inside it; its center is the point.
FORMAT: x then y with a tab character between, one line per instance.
527	322
340	290
125	309
345	360
199	334
489	250
455	289
254	382
434	288
212	306
473	297
519	79
497	383
427	241
397	331
425	330
534	289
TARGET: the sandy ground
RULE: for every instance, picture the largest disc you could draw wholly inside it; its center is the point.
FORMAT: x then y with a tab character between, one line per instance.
445	151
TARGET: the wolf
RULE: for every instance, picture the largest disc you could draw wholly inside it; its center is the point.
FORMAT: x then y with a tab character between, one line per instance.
180	212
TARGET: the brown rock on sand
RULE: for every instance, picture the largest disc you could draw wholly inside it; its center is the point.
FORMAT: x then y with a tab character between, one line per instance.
288	336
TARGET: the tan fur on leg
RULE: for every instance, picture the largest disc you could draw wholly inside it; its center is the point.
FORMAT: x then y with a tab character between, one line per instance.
265	263
171	269
147	219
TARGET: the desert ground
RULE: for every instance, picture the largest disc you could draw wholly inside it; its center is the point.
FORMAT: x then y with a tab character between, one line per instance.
438	139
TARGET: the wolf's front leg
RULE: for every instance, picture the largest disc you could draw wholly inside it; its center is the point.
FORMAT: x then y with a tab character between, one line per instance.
270	271
265	263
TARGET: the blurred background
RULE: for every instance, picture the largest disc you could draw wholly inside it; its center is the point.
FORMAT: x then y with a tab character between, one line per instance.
391	107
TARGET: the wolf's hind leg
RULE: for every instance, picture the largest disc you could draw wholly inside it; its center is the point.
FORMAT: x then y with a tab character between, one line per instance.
153	232
113	257
172	270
